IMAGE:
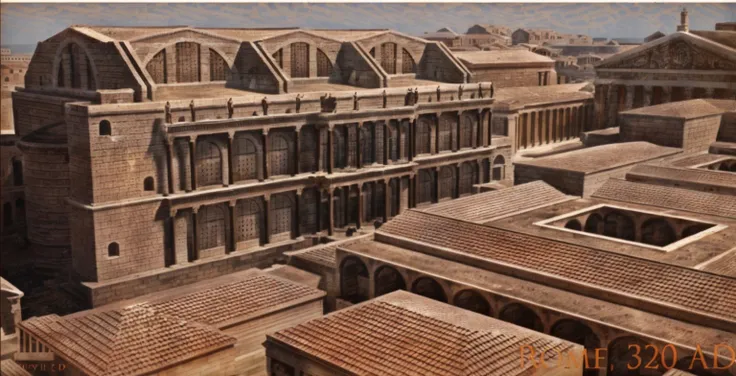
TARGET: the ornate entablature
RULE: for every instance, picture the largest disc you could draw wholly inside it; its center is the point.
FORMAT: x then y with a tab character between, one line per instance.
679	51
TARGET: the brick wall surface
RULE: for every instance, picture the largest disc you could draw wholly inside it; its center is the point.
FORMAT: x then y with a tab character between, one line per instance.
698	134
727	132
511	77
568	182
659	131
436	65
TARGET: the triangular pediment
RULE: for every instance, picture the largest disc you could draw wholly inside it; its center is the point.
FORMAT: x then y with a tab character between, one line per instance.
183	34
678	51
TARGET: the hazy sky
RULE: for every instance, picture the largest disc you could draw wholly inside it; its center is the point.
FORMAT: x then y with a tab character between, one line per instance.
30	23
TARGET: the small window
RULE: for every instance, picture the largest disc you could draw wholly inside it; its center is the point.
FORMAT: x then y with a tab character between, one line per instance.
113	250
105	128
148	184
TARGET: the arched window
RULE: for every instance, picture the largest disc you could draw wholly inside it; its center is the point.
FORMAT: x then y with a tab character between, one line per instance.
278	152
249	220
187	62
499	167
618	225
407	62
309	211
424	138
339	146
353	280
426	186
75	69
308	149
388	57
522	316
447	123
468	177
447	182
156	67
577	332
113	250
17	172
574	224
209	164
324	65
366	143
466	131
105	128
299	60
246	160
148	184
211	227
281	205
218	67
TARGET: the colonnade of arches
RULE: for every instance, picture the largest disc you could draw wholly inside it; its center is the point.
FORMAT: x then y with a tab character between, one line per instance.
360	282
655	230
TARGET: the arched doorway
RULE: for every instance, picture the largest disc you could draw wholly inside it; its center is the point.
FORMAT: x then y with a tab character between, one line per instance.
447	183
249	221
428	287
388	280
621	360
499	164
447	123
426	186
279	155
594	223
424	138
468	177
472	301
367	144
212	227
523	316
619	225
353	280
281	216
246	160
466	131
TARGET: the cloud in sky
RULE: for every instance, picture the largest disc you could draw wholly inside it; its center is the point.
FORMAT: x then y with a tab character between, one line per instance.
30	23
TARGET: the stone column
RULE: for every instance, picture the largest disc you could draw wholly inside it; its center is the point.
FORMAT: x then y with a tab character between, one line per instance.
360	205
330	149
436	182
297	221
647	100
629	102
195	246
169	167
481	171
230	163
266	159
331	212
412	139
386	151
386	199
193	160
436	135
666	94
414	188
319	166
297	151
231	238
528	127
267	218
611	106
358	147
399	149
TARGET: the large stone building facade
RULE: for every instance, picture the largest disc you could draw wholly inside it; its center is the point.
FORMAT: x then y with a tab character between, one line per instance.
161	156
684	65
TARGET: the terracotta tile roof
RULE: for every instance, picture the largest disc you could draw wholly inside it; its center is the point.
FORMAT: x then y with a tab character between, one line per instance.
382	338
323	255
668	197
132	341
9	367
252	295
622	277
603	157
501	57
693	160
686	109
487	206
683	175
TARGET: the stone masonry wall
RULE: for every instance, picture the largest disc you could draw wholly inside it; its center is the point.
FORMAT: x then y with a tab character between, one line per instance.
511	77
700	133
354	69
32	111
659	131
436	65
727	132
568	182
84	259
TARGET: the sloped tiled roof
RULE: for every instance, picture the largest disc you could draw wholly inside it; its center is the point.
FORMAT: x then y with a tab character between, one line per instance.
131	341
624	276
668	197
603	157
383	338
9	367
676	175
689	109
487	206
253	294
723	265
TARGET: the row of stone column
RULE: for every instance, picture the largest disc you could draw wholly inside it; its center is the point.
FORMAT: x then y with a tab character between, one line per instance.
535	128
